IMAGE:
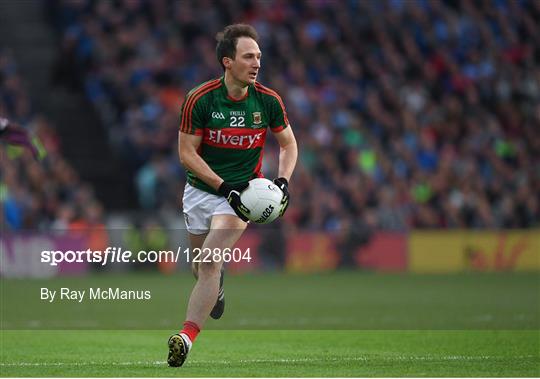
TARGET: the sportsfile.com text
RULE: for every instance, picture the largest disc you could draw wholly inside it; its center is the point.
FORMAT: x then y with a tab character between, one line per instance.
118	255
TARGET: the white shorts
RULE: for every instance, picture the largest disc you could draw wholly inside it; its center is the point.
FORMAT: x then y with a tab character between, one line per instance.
200	207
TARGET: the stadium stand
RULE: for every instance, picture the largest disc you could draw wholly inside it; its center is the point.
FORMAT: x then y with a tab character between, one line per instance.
416	114
38	195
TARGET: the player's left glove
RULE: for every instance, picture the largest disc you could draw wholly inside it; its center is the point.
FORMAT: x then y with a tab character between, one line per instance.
16	135
283	185
232	192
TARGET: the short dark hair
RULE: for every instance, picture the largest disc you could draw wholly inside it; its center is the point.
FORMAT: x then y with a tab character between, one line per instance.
228	38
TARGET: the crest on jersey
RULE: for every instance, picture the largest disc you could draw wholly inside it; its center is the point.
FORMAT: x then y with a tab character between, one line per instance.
257	119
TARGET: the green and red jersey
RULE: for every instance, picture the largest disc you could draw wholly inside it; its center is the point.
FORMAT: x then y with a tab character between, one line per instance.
233	131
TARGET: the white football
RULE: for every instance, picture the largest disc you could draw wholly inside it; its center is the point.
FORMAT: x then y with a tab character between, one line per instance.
263	199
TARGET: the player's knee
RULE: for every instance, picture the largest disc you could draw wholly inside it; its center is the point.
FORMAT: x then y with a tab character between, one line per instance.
209	269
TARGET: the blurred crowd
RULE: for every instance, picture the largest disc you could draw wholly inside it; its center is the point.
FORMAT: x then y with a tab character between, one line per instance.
408	114
38	194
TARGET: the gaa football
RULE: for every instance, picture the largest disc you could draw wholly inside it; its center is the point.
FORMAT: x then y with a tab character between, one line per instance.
263	199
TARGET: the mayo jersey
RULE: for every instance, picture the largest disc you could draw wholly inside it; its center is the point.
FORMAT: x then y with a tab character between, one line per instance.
233	131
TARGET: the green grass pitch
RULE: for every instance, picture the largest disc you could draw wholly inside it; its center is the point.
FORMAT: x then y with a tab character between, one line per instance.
338	324
274	353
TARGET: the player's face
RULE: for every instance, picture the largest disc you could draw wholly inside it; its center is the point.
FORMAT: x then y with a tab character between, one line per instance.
246	65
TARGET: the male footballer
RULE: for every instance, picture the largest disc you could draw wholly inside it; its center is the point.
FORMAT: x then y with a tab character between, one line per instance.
222	133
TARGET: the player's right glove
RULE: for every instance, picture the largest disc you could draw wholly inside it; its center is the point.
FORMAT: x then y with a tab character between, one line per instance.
283	185
232	192
16	135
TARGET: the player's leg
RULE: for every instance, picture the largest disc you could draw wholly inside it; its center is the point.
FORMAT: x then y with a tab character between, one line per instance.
197	207
196	242
224	233
225	230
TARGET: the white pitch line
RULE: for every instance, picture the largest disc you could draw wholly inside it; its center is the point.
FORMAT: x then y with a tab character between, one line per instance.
76	364
397	358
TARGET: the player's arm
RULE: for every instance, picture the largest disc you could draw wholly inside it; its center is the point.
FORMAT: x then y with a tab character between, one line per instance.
191	160
288	152
193	121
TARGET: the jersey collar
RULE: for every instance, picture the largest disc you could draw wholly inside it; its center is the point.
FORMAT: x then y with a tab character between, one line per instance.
232	99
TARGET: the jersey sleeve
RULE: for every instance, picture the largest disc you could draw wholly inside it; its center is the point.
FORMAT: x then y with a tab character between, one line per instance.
278	114
192	119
